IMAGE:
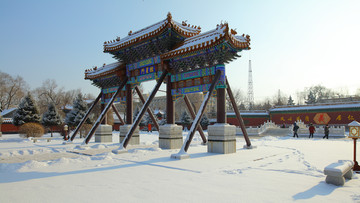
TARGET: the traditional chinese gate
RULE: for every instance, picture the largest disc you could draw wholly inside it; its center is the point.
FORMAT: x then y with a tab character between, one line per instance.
186	60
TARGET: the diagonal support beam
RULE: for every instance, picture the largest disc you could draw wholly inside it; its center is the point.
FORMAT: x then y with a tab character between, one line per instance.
237	112
148	109
201	111
117	114
192	113
142	111
104	112
86	116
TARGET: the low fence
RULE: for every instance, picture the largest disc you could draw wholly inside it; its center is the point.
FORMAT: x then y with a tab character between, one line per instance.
258	130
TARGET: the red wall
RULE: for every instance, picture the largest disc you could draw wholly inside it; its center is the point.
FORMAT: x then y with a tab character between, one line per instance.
332	118
9	128
248	120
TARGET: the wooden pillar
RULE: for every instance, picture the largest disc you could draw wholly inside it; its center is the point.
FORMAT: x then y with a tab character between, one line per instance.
221	105
170	104
148	110
118	114
200	113
237	113
104	112
193	116
86	116
129	104
142	111
105	117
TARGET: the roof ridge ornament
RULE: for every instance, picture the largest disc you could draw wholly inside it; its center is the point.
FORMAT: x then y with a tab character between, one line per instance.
169	17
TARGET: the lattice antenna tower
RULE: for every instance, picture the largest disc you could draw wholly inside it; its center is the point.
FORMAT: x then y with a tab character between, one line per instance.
250	93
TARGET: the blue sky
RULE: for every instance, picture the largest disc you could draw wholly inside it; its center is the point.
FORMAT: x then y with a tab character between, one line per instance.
295	44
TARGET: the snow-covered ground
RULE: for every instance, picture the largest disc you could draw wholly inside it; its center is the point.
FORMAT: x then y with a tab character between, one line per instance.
280	169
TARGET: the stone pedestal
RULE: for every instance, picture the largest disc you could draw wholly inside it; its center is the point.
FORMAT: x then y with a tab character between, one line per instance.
103	133
170	136
135	139
221	138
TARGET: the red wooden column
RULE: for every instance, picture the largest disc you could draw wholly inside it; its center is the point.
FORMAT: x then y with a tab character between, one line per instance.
170	104
221	105
129	104
356	165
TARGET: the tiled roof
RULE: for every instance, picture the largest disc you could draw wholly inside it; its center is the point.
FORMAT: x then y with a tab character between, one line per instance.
208	39
150	31
104	70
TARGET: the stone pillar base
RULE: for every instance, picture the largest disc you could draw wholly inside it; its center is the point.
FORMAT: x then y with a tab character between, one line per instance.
170	136
103	133
221	138
135	139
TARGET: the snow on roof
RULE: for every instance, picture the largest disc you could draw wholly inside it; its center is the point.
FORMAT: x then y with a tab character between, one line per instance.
7	120
304	108
104	70
249	113
209	38
354	123
7	111
156	111
150	31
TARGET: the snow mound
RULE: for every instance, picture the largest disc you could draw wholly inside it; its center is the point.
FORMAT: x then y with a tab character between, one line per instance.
32	165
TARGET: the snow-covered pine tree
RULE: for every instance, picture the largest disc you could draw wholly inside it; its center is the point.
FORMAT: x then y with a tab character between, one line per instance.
185	119
290	101
74	117
162	121
27	112
204	122
311	98
51	118
147	119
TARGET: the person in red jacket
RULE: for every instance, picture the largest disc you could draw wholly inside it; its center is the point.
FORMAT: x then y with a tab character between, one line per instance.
311	130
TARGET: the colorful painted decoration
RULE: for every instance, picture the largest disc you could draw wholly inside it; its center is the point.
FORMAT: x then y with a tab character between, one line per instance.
322	118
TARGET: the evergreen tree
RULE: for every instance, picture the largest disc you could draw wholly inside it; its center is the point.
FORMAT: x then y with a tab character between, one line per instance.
185	119
74	117
242	106
204	122
27	112
311	98
290	101
162	121
147	119
51	117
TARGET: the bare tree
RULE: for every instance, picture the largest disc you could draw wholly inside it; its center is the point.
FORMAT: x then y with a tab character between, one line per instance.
279	99
238	97
11	90
357	92
48	93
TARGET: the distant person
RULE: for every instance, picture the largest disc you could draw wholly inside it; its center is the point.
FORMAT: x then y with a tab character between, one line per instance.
149	127
295	129
311	130
326	130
